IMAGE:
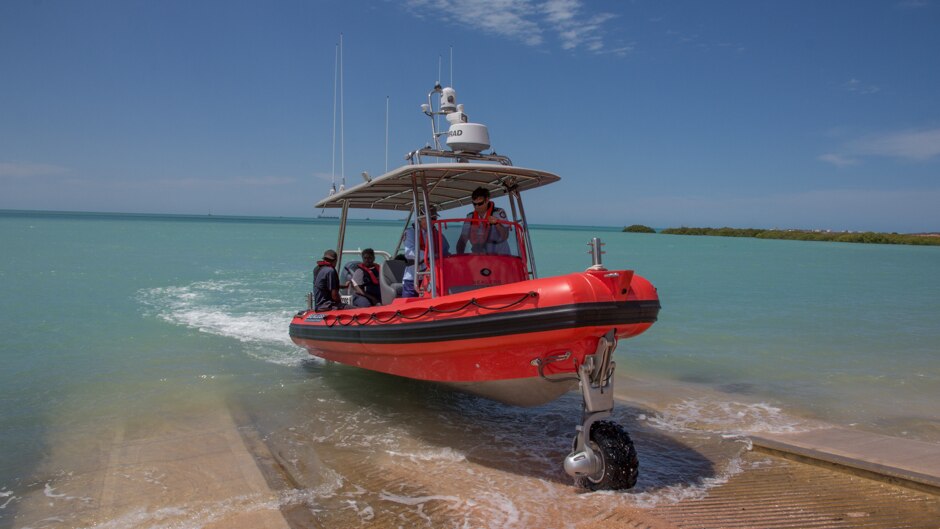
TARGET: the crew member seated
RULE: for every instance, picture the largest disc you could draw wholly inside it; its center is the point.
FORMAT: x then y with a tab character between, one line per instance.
365	281
484	232
326	284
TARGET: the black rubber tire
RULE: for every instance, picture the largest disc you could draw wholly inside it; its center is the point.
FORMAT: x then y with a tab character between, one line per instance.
615	448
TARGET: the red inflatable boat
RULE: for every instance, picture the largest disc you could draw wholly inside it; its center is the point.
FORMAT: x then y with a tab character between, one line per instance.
484	322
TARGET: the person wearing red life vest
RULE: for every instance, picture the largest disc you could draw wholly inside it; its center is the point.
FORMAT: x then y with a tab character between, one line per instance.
365	281
484	232
326	284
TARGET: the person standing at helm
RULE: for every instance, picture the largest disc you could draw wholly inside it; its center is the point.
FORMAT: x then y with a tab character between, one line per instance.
484	231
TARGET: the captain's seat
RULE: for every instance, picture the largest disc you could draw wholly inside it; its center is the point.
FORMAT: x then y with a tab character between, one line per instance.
390	281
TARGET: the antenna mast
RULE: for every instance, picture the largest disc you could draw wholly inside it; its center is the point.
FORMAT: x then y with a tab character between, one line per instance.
386	134
440	61
333	152
342	121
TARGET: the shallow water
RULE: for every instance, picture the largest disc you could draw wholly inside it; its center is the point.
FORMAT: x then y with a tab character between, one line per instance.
120	320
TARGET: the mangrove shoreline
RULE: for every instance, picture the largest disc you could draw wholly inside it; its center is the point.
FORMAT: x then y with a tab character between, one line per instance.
868	237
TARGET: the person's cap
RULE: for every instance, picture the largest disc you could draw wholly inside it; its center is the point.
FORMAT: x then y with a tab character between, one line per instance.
329	255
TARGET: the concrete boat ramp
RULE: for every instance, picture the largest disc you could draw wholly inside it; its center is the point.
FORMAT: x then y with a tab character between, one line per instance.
820	479
905	462
184	471
226	477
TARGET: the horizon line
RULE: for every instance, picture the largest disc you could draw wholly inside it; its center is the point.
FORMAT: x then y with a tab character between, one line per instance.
208	216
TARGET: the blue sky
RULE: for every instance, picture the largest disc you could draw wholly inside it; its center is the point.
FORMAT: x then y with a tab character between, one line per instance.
799	114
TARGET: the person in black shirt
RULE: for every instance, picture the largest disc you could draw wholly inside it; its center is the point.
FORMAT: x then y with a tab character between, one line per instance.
326	284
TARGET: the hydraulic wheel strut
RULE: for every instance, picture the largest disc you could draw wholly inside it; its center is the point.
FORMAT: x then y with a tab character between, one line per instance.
596	381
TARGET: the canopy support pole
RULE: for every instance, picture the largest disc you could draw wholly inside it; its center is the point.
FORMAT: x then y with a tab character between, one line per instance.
401	238
528	239
342	235
432	244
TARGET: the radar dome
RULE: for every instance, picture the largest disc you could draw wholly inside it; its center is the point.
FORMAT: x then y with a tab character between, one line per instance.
468	137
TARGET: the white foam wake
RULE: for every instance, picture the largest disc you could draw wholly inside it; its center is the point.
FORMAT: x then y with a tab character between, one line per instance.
232	309
675	493
726	418
425	455
731	420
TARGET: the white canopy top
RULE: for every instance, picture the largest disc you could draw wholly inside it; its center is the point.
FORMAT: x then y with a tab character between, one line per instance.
449	185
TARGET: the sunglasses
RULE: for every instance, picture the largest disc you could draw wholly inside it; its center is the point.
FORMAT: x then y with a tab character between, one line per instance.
479	203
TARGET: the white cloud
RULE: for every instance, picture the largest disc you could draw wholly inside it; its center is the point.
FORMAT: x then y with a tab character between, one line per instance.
526	21
911	145
561	11
838	160
622	50
506	18
917	145
29	170
586	32
854	85
575	29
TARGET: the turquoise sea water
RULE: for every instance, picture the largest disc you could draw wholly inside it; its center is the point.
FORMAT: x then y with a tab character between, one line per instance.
110	317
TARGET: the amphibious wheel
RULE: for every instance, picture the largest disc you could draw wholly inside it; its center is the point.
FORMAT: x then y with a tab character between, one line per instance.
619	466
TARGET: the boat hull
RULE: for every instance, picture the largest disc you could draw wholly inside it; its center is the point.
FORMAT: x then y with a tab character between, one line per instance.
518	343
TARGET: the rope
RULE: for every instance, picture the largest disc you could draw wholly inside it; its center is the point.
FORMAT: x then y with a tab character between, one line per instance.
356	318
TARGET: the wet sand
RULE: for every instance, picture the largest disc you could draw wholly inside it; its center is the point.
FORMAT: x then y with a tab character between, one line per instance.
365	450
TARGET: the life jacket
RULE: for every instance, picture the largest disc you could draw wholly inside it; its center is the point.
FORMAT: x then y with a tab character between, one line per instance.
322	300
371	271
321	264
480	229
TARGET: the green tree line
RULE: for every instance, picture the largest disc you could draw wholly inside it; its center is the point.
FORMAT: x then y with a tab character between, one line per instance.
868	237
